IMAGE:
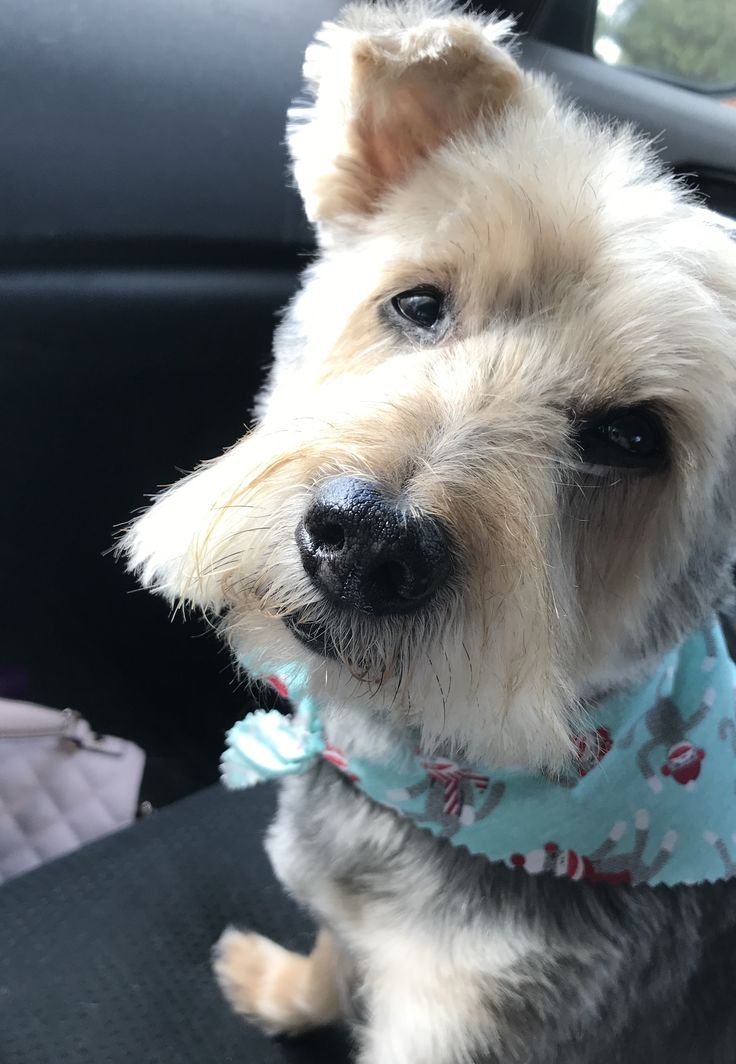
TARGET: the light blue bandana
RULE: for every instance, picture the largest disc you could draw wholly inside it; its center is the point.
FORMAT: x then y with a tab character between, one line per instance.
651	798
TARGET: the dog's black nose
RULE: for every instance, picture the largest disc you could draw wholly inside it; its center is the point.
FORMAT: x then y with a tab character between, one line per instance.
365	553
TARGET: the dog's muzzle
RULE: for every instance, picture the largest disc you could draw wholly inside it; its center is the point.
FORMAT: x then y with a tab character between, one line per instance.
363	552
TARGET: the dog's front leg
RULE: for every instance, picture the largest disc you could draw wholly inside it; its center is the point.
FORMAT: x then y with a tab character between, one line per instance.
422	1010
281	991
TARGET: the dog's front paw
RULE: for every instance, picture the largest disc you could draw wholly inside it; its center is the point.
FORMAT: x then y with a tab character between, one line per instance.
269	985
250	970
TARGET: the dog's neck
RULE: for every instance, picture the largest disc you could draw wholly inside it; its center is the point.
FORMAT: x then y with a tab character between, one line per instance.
643	803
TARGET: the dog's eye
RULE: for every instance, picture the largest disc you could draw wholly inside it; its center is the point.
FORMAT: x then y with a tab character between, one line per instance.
631	438
422	306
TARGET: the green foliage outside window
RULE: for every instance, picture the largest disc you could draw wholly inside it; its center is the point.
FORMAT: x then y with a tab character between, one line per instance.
693	40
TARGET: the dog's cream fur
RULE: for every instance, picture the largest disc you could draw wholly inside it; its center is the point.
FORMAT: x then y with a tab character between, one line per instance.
580	276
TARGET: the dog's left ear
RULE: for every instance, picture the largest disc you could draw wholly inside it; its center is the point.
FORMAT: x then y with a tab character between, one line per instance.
390	85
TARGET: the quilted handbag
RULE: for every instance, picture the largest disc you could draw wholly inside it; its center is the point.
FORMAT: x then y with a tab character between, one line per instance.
61	784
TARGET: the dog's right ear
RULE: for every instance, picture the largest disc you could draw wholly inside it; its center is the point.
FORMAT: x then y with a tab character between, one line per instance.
390	84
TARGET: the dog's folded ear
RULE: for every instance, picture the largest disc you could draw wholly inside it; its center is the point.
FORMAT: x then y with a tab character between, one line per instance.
390	84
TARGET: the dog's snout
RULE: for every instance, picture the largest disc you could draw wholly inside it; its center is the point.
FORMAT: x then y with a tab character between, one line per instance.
365	553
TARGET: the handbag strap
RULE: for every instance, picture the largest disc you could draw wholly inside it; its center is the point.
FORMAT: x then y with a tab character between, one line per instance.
24	720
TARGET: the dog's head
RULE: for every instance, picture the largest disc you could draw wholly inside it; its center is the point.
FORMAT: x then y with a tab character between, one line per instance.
493	468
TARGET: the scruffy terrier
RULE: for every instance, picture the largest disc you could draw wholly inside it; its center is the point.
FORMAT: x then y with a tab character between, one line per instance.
491	486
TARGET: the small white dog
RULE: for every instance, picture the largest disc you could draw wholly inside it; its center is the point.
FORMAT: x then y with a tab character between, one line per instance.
490	488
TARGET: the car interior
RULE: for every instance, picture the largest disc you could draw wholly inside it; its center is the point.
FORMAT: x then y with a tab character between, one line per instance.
148	237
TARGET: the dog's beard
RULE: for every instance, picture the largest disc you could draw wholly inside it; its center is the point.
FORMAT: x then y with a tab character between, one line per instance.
455	670
375	651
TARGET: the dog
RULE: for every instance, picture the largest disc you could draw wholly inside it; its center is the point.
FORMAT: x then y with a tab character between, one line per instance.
491	483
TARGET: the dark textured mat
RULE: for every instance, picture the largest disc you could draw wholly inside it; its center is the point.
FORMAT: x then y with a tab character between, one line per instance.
104	955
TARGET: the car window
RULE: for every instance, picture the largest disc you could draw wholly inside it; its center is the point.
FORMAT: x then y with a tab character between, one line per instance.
691	43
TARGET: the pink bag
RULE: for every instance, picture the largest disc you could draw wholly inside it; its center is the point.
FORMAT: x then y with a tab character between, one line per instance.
61	785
